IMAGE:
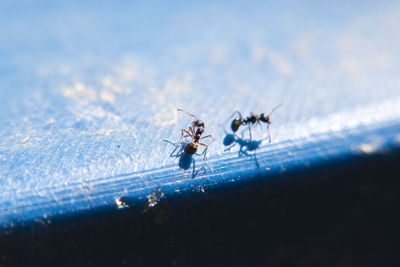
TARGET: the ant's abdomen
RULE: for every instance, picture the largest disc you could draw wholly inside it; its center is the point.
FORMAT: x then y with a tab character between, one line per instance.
235	124
191	148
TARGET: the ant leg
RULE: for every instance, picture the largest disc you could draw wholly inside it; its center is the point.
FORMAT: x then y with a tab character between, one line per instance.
191	130
240	115
259	123
183	130
207	136
251	139
269	134
231	116
188	134
205	152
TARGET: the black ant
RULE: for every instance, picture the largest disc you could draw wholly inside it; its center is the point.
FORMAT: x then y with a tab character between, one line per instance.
195	132
251	120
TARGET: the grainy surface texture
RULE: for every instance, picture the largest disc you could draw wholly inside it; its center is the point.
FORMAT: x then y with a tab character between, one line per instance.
89	92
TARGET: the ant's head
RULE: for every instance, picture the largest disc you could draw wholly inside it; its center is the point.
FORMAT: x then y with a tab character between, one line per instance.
236	124
198	123
265	118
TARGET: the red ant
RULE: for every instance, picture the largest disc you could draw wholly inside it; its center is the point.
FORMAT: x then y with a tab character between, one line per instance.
252	119
195	132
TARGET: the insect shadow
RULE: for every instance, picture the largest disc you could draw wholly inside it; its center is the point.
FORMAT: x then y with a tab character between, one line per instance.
185	159
245	145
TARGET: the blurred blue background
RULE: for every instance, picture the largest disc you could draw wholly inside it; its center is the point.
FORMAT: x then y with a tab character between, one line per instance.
89	91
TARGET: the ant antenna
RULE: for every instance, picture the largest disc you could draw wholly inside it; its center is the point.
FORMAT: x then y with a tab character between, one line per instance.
231	116
275	108
272	111
179	109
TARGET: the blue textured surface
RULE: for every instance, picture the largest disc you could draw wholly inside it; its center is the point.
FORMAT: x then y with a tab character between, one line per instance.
89	91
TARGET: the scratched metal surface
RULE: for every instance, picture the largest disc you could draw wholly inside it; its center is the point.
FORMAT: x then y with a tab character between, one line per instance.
89	93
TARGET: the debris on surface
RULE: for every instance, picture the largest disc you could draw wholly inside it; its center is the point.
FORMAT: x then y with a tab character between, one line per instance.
121	204
155	197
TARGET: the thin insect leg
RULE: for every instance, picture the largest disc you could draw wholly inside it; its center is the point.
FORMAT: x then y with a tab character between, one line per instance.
259	123
191	129
251	139
267	129
269	134
230	117
183	130
207	136
191	135
179	109
205	152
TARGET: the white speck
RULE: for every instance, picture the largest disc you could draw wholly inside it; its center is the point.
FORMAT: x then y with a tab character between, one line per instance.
155	197
120	204
372	146
368	148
